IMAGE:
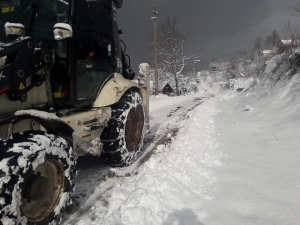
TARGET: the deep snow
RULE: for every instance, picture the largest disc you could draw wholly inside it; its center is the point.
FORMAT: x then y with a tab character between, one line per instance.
234	159
167	116
259	180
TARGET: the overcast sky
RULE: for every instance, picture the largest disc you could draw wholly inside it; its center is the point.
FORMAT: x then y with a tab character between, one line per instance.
213	28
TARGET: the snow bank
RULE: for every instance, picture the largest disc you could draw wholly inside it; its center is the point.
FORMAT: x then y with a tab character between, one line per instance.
259	180
171	185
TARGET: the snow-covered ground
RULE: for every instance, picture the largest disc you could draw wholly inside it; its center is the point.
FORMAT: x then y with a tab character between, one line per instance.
228	159
96	180
259	180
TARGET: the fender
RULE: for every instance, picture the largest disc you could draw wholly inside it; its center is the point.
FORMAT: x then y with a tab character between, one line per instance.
113	90
51	123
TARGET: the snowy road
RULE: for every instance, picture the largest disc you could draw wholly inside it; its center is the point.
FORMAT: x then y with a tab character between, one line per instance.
164	111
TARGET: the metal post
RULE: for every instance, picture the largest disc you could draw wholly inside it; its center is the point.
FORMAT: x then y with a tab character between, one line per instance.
147	103
195	61
155	49
144	81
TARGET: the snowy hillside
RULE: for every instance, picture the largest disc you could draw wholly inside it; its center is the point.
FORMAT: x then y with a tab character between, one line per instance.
259	180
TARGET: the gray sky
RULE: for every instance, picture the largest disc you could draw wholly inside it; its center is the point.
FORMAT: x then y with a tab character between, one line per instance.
213	28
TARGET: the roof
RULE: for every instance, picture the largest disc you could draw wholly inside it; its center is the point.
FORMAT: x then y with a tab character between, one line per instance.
267	51
162	84
290	41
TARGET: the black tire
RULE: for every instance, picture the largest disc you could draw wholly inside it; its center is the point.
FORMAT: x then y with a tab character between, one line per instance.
37	171
123	138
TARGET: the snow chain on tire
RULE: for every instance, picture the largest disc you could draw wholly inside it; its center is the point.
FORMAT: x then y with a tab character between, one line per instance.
123	138
36	178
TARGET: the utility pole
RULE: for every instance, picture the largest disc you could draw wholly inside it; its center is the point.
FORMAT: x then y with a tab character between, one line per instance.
195	61
155	49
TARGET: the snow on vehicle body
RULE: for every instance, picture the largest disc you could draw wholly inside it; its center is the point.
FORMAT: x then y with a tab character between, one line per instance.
60	98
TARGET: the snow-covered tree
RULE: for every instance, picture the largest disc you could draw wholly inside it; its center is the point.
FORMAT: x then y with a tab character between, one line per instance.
171	56
243	66
221	69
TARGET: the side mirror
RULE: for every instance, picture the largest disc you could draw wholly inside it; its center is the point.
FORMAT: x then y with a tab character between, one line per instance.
62	31
118	3
14	29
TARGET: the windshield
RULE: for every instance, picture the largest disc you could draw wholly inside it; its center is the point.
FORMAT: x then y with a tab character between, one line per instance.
38	17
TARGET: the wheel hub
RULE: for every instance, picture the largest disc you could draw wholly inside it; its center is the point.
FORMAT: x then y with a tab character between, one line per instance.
41	191
35	188
133	130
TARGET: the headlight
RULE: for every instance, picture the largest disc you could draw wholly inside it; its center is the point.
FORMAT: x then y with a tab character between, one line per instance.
14	29
62	31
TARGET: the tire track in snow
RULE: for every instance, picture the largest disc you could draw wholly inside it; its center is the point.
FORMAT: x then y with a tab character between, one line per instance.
93	172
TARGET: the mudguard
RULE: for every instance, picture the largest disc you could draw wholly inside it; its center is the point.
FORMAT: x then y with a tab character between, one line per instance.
114	89
51	123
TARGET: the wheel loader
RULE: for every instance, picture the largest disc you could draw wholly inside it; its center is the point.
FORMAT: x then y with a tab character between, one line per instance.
66	90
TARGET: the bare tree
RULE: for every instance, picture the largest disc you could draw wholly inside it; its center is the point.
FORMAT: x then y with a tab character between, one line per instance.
273	40
171	55
295	9
291	32
257	45
291	35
